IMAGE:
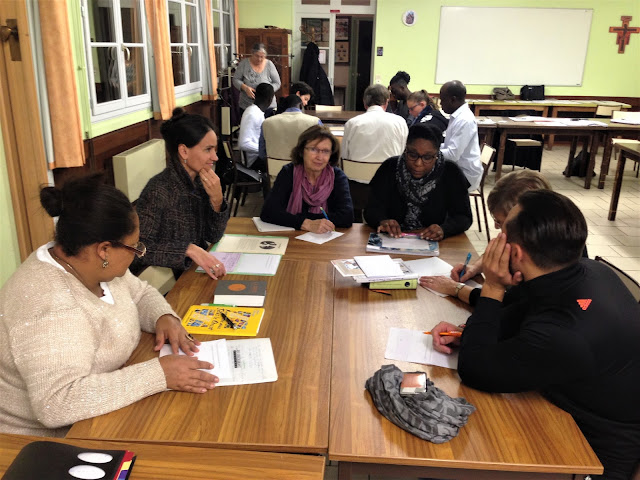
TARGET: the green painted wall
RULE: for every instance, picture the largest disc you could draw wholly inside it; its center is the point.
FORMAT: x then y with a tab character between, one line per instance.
414	49
10	258
258	13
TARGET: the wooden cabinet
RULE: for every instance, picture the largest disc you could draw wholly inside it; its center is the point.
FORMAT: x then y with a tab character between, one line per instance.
277	42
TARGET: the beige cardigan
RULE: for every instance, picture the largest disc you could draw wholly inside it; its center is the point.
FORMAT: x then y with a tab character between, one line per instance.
62	348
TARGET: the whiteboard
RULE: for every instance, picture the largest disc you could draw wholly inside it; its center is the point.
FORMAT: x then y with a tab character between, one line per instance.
512	46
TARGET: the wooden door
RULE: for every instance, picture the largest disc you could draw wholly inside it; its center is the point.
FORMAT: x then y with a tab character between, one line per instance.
276	41
22	133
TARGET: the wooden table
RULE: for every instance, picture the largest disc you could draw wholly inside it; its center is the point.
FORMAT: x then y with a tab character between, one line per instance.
614	130
631	152
328	336
160	462
342	116
510	436
507	126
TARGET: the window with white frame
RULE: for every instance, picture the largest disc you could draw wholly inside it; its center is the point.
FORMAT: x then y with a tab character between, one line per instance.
116	50
223	32
184	35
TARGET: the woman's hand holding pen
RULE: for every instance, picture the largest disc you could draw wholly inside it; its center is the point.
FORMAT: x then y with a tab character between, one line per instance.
169	329
321	225
391	226
443	343
185	374
469	272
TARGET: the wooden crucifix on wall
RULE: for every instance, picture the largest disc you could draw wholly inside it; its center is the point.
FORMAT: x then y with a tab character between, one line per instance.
624	33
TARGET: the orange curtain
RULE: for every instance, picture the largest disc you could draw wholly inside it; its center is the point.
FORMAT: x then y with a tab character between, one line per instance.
237	22
213	69
157	19
62	91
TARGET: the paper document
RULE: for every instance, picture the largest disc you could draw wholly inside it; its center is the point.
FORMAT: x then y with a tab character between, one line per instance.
434	267
251	244
628	121
416	243
319	238
240	362
270	227
378	266
414	346
247	263
348	267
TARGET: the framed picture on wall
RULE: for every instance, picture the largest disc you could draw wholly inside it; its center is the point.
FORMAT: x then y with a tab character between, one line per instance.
342	28
342	52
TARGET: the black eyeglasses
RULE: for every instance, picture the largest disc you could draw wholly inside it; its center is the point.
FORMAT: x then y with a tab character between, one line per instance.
413	157
139	248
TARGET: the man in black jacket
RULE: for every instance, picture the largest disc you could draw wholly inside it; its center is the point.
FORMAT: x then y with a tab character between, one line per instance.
571	329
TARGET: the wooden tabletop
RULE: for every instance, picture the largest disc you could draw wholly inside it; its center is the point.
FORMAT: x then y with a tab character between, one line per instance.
160	462
342	116
508	432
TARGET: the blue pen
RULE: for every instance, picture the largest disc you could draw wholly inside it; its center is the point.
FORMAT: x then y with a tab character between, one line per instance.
466	262
324	213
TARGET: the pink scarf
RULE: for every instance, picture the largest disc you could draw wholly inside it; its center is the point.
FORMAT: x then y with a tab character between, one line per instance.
314	195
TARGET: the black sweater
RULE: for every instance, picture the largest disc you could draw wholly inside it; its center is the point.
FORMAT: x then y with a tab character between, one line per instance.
448	204
584	358
339	205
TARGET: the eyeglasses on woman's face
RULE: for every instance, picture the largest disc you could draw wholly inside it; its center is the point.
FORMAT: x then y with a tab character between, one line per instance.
139	248
413	156
319	151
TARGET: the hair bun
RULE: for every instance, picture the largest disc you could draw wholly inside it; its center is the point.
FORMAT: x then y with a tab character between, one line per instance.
51	200
178	112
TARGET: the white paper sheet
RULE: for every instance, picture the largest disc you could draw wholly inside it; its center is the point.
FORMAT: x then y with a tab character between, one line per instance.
412	242
237	362
257	264
270	227
252	244
319	238
414	346
378	266
434	267
214	352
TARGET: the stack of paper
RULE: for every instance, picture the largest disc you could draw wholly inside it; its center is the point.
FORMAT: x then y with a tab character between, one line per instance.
409	244
237	362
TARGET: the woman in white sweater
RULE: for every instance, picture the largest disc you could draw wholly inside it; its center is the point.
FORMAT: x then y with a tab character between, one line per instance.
71	316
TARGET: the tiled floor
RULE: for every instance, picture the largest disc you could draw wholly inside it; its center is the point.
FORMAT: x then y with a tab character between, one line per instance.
617	241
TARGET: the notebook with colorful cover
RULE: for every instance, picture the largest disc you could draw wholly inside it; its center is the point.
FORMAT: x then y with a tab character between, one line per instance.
221	320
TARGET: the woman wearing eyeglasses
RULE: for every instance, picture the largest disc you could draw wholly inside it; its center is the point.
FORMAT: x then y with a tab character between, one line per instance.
311	193
182	209
419	191
71	316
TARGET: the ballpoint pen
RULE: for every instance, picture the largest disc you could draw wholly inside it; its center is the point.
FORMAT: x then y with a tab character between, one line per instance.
324	213
446	334
466	262
228	320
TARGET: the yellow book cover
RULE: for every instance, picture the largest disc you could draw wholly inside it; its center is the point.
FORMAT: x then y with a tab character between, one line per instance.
220	320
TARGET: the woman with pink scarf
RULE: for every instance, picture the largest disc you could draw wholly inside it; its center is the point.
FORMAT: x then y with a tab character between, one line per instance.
311	193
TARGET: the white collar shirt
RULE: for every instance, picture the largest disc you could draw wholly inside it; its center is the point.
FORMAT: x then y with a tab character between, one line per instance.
461	145
374	136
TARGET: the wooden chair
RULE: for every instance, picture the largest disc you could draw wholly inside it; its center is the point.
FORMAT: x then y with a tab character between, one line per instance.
274	165
328	108
606	111
630	283
132	170
487	156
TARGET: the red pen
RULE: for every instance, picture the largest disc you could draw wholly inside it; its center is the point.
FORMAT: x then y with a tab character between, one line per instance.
384	292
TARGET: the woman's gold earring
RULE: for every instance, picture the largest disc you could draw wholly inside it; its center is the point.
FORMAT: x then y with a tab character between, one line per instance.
105	264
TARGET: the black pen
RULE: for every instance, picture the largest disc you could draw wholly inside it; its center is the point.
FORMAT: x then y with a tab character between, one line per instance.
228	320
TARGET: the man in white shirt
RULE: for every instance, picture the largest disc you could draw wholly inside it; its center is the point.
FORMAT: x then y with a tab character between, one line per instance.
251	124
375	135
461	141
